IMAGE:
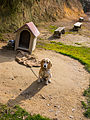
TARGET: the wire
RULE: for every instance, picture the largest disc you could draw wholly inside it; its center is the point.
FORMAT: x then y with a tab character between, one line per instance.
33	72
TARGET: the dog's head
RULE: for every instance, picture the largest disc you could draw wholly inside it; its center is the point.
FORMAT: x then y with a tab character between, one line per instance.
46	63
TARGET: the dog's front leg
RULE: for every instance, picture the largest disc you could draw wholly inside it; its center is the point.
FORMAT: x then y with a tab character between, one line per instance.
40	79
46	82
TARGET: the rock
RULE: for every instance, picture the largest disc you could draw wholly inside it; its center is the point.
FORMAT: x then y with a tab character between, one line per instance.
48	104
43	97
57	106
55	119
20	89
71	116
57	113
15	76
12	78
73	110
50	110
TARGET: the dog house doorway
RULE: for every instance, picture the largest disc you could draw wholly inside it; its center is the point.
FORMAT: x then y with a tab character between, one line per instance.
24	39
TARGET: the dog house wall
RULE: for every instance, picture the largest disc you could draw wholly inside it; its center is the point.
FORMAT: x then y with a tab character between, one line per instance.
33	39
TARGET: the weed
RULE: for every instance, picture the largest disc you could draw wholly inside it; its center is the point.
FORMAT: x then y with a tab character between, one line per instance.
87	113
52	28
71	32
17	113
84	104
41	38
78	43
87	106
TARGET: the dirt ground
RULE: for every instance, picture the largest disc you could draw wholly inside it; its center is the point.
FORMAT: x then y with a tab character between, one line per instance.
60	99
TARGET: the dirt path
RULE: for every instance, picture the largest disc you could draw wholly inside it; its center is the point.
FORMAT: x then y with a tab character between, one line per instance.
60	99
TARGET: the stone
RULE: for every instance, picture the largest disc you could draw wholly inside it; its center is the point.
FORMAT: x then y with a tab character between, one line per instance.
55	119
57	113
12	78
48	104
71	116
50	110
57	106
42	97
20	89
73	110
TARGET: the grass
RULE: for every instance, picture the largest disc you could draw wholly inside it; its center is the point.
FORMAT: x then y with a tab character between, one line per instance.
86	106
52	28
82	54
71	32
1	36
78	43
17	113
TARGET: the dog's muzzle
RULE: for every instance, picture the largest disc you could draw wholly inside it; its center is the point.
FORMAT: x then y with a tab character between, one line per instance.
45	65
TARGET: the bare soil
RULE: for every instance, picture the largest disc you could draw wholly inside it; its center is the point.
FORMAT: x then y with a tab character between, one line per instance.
60	99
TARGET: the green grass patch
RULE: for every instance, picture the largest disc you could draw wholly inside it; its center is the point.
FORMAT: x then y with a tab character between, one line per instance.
78	43
87	106
52	28
17	113
84	104
71	32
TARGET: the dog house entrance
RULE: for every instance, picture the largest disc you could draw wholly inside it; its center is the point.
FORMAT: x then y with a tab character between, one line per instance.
24	39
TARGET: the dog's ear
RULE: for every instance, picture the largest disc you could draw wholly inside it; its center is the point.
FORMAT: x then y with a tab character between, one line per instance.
42	61
49	65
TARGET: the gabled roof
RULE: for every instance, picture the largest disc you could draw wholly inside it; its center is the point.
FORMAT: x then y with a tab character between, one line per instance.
32	27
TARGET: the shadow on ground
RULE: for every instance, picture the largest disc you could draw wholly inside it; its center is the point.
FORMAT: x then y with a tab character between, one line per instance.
28	93
7	54
53	38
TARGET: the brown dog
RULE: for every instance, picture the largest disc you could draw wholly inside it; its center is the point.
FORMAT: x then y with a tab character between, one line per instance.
44	73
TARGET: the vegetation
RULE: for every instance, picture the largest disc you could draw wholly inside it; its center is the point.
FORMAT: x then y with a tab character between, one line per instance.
86	106
52	28
17	113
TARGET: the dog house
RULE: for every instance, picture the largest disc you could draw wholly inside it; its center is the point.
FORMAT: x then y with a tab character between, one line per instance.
26	37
